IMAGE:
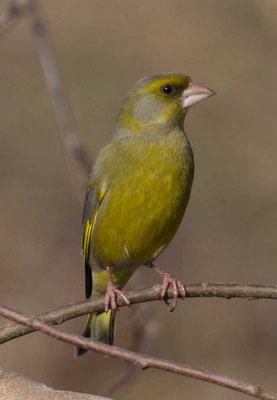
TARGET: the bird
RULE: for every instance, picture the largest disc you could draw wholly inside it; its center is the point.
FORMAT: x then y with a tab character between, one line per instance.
137	194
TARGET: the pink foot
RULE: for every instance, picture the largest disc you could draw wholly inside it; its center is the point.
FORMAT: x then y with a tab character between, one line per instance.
112	293
177	286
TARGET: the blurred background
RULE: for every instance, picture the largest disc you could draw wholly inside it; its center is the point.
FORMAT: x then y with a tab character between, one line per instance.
229	230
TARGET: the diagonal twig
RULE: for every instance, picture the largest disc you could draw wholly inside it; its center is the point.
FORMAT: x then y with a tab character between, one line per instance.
141	360
70	311
77	158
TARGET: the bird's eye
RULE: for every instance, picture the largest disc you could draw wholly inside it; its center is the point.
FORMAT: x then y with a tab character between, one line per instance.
167	89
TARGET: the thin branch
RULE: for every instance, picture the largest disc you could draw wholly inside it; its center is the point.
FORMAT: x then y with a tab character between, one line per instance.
78	162
70	311
143	330
140	360
77	159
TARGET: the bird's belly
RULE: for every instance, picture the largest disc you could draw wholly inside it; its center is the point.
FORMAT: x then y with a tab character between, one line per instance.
139	216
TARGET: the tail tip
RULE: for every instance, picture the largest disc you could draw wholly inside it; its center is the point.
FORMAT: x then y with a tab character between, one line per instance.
78	352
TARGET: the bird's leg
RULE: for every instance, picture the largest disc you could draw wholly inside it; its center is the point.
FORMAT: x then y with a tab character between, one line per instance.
168	280
112	293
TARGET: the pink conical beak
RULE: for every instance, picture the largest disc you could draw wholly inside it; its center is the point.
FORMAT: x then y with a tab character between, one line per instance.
194	94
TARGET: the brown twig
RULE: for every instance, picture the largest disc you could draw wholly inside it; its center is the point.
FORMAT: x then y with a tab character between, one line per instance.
77	158
143	330
78	163
140	360
70	311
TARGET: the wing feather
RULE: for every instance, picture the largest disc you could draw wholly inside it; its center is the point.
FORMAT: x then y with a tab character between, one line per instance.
92	203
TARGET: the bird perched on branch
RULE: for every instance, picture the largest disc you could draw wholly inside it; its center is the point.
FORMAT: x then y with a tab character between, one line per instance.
137	194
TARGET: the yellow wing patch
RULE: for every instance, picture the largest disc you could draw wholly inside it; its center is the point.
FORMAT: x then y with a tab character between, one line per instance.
87	240
89	227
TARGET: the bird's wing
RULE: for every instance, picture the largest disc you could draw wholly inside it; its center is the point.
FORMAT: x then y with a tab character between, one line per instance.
92	203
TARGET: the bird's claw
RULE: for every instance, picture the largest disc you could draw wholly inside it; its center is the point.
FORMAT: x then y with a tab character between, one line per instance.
178	290
112	294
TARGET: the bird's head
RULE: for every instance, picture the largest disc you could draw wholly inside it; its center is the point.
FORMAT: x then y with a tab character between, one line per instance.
160	102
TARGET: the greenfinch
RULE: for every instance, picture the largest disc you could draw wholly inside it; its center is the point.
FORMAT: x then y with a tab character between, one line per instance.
138	191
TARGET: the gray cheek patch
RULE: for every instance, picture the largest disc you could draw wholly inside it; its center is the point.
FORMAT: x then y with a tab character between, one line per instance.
148	107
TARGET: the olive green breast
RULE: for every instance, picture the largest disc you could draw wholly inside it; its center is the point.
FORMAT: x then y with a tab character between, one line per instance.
148	188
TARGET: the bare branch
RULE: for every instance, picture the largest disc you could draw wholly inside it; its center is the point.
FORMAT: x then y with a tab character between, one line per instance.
143	330
78	162
70	311
14	386
140	360
77	159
